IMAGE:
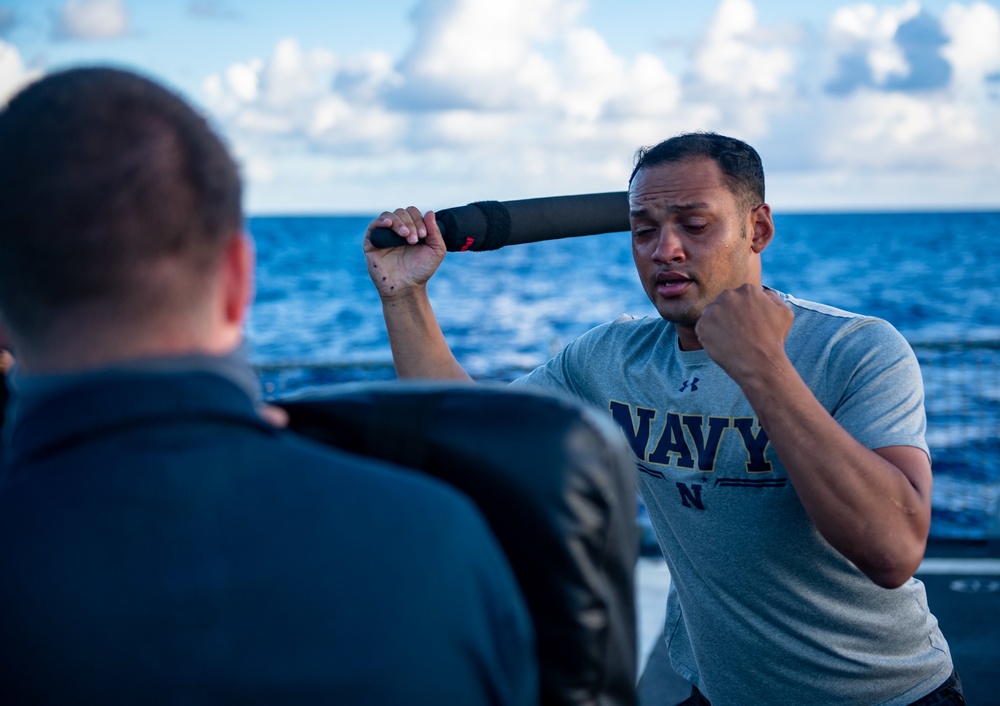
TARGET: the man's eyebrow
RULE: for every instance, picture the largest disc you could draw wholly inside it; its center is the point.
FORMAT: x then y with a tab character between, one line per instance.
640	211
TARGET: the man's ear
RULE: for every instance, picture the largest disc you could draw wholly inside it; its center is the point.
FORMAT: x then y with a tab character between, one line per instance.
6	360
238	277
762	228
4	339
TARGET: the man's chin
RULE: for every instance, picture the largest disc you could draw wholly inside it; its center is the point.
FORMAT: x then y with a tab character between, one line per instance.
679	316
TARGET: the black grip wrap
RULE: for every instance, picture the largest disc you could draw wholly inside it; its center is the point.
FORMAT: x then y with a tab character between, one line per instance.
498	225
488	225
462	227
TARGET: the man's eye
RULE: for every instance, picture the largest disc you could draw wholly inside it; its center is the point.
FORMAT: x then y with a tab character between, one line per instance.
643	232
695	227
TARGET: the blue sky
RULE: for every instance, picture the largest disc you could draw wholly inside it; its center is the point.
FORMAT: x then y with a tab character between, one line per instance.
352	107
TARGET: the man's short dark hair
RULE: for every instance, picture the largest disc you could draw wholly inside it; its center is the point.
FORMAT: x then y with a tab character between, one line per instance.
739	162
105	176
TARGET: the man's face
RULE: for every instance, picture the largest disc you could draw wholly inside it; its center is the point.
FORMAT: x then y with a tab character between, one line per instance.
691	239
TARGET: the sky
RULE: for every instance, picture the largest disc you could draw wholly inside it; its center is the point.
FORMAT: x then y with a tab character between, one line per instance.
358	106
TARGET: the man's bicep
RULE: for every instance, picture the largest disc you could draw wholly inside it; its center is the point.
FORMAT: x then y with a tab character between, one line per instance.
878	388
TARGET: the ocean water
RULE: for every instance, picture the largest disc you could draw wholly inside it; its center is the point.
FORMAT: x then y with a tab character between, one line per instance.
317	321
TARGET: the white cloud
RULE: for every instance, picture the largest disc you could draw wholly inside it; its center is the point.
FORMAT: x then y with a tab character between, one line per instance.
731	58
520	90
744	78
900	131
945	124
520	98
14	75
485	55
873	29
244	81
293	77
310	96
92	19
974	46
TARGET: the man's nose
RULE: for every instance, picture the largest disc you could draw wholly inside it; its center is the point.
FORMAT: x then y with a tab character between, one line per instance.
669	247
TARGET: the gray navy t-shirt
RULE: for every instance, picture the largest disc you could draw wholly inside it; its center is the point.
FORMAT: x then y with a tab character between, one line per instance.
771	612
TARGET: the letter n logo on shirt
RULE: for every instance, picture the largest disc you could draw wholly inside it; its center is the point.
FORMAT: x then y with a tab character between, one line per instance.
691	496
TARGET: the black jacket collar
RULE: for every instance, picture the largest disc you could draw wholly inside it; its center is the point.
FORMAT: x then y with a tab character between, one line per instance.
98	406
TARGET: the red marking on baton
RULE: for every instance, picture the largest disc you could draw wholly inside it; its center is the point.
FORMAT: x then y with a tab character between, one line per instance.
468	244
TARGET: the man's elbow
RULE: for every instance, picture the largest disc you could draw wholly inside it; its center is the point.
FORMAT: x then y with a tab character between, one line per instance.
893	569
890	579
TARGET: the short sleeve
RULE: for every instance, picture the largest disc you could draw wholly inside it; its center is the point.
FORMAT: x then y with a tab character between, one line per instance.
881	402
568	371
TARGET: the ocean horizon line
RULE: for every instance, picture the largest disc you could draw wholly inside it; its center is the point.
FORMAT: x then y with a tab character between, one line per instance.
778	212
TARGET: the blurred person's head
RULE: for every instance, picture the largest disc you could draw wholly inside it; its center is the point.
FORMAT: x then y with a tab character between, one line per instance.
120	225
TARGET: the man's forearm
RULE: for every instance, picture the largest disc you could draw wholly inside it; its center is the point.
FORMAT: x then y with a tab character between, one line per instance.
419	349
873	507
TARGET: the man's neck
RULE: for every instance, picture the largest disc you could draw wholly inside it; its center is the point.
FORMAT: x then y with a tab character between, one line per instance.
73	351
687	339
32	388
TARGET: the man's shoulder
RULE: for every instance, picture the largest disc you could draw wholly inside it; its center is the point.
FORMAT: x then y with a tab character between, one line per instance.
814	317
634	322
193	430
628	327
818	309
836	344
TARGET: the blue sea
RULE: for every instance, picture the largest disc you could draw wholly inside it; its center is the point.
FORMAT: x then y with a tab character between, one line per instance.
317	321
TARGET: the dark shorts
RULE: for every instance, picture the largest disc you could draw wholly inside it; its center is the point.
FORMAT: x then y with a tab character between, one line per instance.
948	694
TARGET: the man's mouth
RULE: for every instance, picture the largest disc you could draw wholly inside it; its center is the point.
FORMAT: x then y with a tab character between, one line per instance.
671	284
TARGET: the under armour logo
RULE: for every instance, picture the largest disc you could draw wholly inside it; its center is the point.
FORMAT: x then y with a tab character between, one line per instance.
694	385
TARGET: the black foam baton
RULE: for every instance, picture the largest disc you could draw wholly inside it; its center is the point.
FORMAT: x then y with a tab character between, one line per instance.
489	225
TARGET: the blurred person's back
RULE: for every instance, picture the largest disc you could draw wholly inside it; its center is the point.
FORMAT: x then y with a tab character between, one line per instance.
159	541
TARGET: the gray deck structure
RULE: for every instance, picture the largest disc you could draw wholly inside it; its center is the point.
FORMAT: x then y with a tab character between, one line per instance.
963	590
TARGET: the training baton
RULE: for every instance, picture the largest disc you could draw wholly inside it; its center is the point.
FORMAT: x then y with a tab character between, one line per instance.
489	225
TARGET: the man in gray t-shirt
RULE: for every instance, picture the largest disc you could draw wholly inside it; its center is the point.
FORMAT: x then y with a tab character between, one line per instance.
780	443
